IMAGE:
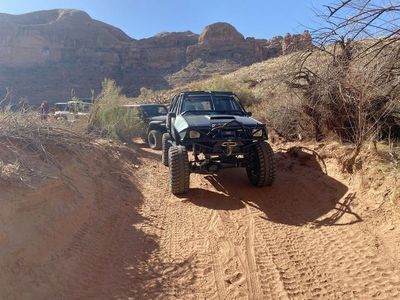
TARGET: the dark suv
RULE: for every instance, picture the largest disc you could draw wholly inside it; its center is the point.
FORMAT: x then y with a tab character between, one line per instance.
219	133
153	116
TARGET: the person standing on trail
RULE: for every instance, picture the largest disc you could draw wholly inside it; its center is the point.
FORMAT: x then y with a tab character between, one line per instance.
44	110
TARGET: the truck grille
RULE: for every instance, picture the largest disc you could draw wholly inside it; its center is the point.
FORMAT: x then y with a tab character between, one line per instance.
231	133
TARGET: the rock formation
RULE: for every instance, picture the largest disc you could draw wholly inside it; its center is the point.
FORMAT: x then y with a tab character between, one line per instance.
292	43
46	54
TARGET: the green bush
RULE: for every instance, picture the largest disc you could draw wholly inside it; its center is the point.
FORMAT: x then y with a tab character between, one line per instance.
109	118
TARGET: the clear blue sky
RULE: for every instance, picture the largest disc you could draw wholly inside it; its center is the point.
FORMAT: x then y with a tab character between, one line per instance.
144	18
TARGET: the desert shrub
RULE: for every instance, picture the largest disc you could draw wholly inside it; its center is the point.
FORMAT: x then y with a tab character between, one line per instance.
109	118
150	96
356	99
354	91
24	135
287	119
222	83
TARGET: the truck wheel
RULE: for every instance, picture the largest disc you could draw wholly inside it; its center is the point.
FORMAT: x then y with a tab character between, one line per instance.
154	139
261	168
179	174
166	144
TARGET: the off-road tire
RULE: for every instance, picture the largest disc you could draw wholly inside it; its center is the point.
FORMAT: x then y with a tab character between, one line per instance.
179	174
154	139
166	144
261	171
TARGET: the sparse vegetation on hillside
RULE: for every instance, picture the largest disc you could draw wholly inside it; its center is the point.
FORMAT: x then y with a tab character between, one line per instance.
108	118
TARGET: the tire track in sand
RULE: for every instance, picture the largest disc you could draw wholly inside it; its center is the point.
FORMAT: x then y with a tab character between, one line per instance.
242	243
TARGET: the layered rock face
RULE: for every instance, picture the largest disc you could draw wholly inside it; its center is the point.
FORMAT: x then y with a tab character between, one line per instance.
222	40
46	55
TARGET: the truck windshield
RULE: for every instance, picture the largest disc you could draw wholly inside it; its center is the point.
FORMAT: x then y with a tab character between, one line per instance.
154	110
218	104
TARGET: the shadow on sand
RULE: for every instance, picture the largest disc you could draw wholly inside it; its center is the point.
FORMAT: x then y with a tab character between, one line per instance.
213	200
302	193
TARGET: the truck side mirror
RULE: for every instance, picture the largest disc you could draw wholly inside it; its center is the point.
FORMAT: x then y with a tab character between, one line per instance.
249	113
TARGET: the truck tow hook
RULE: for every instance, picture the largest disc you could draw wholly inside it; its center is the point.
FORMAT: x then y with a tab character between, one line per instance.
229	147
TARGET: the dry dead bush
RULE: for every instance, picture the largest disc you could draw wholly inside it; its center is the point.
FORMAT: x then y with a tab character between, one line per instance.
24	138
286	118
355	92
354	100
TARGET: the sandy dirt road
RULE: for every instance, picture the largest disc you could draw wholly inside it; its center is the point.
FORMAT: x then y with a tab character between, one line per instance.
299	239
227	240
296	240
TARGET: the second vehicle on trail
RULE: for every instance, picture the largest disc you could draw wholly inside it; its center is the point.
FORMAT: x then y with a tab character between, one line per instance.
153	116
72	110
220	134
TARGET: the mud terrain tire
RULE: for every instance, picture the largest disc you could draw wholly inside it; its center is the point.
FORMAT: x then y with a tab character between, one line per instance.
166	144
261	171
154	139
179	174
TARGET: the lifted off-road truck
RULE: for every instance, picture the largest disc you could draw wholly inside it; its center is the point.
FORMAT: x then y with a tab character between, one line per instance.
220	134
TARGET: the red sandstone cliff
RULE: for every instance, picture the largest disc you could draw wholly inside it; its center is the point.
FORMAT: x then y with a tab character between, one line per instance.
45	54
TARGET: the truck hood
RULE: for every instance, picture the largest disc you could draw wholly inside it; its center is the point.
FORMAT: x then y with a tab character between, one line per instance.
207	121
210	120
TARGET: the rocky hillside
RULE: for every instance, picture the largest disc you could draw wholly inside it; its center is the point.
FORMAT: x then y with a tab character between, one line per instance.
47	54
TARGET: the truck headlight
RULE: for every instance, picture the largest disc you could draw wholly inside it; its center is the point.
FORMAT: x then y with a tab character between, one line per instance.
257	132
193	134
